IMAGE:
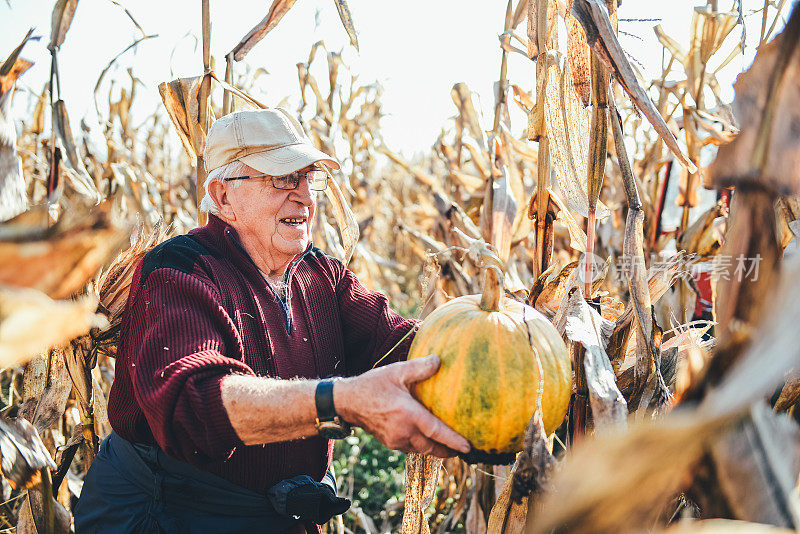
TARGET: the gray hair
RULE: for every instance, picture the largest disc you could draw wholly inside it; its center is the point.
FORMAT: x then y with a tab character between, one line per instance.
234	168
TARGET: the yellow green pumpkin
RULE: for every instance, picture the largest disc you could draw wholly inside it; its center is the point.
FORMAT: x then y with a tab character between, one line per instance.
491	349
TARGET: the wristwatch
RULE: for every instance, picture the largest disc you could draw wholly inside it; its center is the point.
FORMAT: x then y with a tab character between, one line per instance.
329	424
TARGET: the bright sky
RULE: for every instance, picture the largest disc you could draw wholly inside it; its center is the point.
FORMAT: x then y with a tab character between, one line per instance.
416	49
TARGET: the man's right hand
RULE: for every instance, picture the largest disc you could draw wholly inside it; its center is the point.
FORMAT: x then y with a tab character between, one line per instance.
380	402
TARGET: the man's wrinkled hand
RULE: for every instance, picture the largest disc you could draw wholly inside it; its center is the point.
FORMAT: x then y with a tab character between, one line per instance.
380	402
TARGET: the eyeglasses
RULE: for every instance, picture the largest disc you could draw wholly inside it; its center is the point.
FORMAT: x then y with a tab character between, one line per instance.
317	179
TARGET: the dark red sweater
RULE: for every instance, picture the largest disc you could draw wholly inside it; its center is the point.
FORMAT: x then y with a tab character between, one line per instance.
199	310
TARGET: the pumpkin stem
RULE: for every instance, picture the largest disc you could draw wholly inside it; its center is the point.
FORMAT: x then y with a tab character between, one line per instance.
492	288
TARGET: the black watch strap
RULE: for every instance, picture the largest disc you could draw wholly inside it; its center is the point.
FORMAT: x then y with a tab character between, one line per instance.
323	397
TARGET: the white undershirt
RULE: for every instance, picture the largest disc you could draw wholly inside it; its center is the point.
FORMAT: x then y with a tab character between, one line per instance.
279	285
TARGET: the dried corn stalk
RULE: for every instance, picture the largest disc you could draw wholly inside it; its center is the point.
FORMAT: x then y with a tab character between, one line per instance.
422	473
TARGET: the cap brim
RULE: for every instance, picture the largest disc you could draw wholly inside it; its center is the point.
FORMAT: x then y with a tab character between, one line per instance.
287	159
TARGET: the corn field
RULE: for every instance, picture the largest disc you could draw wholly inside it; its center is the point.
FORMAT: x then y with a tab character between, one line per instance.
684	341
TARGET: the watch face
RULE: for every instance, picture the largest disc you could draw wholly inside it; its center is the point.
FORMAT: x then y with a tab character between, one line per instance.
333	430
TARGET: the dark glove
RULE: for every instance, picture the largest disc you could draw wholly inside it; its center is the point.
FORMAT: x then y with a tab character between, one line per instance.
305	498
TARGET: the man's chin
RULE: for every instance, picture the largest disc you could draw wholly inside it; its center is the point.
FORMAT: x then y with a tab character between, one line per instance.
293	247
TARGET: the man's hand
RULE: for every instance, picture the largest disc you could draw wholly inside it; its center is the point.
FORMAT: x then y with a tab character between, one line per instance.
380	402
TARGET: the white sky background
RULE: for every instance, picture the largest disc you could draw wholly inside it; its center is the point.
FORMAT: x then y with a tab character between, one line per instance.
416	49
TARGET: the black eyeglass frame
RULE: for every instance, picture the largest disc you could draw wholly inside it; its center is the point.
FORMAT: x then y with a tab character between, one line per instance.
292	179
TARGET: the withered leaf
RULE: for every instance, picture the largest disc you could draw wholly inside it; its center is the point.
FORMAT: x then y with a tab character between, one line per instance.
32	517
13	197
23	453
347	21
345	218
79	178
757	465
276	12
503	205
462	97
568	124
779	164
64	260
601	37
24	311
584	325
180	97
63	12
578	57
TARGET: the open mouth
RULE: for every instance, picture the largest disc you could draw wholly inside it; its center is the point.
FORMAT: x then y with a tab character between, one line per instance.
293	221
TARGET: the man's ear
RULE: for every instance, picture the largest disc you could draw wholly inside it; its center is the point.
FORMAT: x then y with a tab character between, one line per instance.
218	191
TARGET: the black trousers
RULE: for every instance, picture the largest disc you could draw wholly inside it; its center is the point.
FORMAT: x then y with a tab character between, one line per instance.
134	488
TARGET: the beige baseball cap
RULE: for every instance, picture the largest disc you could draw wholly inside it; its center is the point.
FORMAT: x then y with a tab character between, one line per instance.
269	140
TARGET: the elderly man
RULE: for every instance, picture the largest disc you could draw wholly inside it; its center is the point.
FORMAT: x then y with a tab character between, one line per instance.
222	413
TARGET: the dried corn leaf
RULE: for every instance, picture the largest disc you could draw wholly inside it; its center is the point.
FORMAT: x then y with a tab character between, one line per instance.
113	284
704	237
636	274
180	97
550	296
67	260
592	493
79	178
779	164
423	177
63	12
708	31
507	516
601	37
31	322
33	518
788	219
568	124
462	98
345	218
520	12
14	66
13	198
790	393
578	57
45	395
757	465
347	21
522	98
276	12
469	182
478	159
78	356
519	146
778	336
577	237
670	44
584	325
503	206
23	453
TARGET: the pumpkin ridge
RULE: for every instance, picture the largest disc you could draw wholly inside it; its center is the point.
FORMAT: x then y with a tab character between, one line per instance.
459	361
501	375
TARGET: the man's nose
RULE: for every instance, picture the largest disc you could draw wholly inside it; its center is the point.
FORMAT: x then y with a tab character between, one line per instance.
303	192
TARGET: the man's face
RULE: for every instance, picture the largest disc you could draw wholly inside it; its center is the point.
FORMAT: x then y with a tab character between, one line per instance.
272	223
